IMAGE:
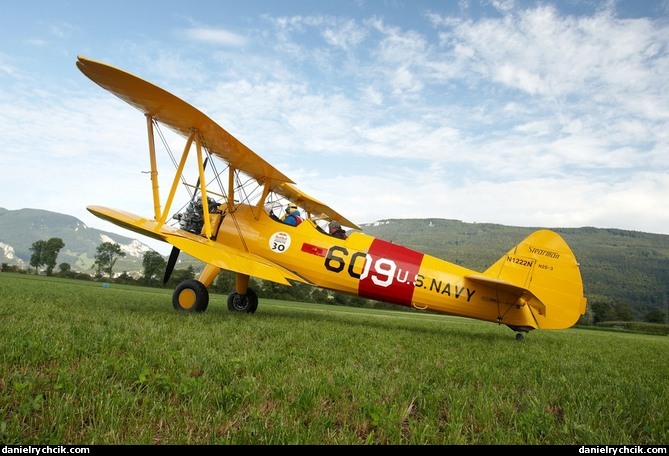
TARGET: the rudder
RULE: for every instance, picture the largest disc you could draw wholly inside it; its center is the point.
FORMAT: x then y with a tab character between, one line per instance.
544	264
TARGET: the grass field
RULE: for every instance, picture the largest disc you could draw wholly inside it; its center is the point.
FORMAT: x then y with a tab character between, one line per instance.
85	364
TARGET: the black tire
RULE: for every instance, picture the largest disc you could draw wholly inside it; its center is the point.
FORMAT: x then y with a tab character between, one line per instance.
247	303
190	296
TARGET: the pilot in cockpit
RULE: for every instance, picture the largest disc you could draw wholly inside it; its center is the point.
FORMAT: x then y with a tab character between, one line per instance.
292	216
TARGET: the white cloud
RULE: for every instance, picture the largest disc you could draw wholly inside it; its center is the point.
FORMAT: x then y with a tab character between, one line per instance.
216	36
344	35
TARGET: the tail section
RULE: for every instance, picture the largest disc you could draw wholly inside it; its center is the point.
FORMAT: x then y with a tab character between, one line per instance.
546	276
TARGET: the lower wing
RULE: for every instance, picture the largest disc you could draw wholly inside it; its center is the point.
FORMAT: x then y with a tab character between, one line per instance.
199	247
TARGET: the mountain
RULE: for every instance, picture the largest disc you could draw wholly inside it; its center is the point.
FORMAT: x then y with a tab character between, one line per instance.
19	229
617	266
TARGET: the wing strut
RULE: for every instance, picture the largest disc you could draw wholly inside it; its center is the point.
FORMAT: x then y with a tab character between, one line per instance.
203	188
201	184
154	168
231	188
177	176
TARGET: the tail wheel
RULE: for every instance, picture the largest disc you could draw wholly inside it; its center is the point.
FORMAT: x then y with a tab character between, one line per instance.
243	303
190	296
520	331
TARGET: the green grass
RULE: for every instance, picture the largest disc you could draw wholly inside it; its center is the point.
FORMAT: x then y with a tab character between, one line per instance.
83	364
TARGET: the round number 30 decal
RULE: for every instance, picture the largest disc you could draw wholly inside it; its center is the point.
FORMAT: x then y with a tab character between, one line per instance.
279	242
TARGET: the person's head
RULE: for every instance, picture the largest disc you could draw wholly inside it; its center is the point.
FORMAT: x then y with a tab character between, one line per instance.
291	208
334	226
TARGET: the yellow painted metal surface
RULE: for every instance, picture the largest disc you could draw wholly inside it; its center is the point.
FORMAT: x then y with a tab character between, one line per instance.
537	284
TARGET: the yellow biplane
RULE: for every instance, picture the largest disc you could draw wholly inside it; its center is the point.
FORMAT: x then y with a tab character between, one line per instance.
231	218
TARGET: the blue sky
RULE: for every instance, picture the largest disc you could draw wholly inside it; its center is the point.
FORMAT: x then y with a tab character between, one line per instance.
536	114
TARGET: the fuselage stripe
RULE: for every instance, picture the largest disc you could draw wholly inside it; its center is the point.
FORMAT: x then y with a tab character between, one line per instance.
390	272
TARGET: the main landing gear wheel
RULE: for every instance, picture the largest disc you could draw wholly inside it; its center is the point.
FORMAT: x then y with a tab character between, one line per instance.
520	336
247	303
190	296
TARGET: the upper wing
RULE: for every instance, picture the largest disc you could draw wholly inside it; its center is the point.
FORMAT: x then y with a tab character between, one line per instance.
179	116
182	118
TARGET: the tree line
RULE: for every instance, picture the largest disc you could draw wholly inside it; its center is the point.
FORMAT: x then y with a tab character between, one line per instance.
45	253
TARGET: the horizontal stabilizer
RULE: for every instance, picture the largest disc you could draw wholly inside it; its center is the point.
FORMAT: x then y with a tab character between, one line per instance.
511	289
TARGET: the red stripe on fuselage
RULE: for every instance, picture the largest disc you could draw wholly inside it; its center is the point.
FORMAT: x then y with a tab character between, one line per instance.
314	249
391	273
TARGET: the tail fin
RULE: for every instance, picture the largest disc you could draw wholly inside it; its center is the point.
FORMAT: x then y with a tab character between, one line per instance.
545	267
